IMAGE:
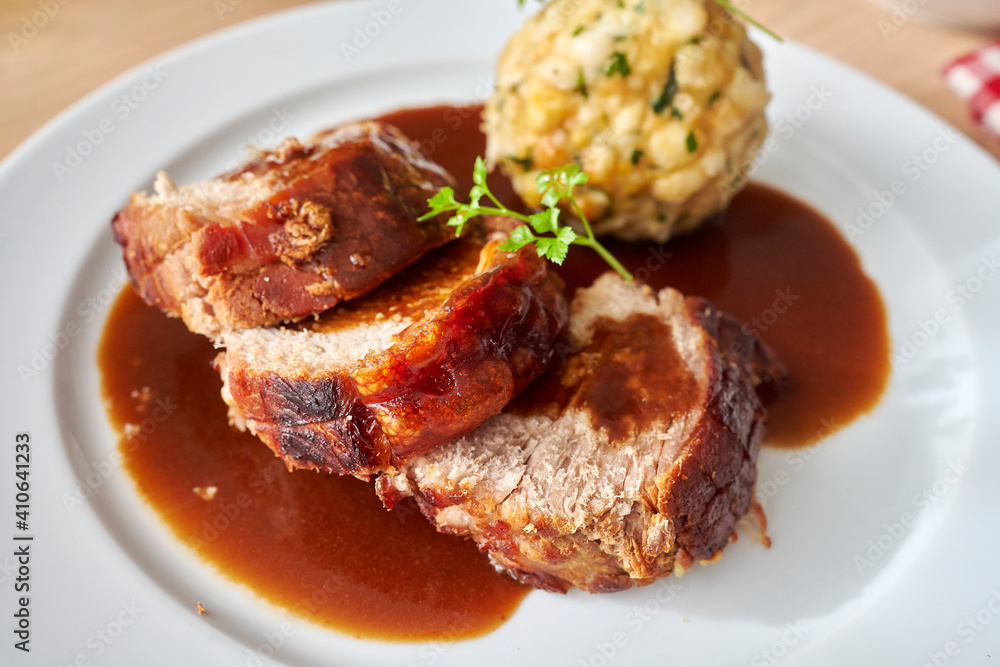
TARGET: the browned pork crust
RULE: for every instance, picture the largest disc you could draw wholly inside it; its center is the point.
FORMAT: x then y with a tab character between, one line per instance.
603	483
292	233
423	359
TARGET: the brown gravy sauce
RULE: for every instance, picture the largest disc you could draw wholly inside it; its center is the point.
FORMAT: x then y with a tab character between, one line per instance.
326	549
770	260
625	380
320	545
784	270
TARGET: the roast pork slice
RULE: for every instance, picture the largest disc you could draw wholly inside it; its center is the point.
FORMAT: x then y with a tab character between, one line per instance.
633	457
423	359
291	233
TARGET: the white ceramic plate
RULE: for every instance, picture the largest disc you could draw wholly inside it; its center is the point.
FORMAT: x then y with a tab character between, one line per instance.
885	535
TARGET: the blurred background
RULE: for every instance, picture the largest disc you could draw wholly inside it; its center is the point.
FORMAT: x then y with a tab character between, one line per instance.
56	51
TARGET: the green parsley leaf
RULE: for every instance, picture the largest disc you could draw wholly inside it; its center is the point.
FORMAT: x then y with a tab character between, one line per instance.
551	198
545	221
666	98
479	172
526	163
691	142
445	201
556	184
562	178
519	237
556	248
619	65
442	201
581	84
636	156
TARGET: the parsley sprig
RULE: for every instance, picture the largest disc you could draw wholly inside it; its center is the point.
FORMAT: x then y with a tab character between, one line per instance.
728	6
552	239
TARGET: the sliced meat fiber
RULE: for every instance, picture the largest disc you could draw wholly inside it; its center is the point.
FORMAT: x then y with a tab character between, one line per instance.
631	459
423	359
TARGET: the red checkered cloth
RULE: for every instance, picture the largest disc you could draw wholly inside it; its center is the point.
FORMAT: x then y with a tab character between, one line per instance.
976	78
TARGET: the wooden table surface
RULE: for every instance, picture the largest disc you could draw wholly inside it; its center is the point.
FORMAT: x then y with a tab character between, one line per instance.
85	43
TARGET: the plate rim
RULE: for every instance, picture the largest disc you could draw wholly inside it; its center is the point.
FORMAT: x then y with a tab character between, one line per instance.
24	152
